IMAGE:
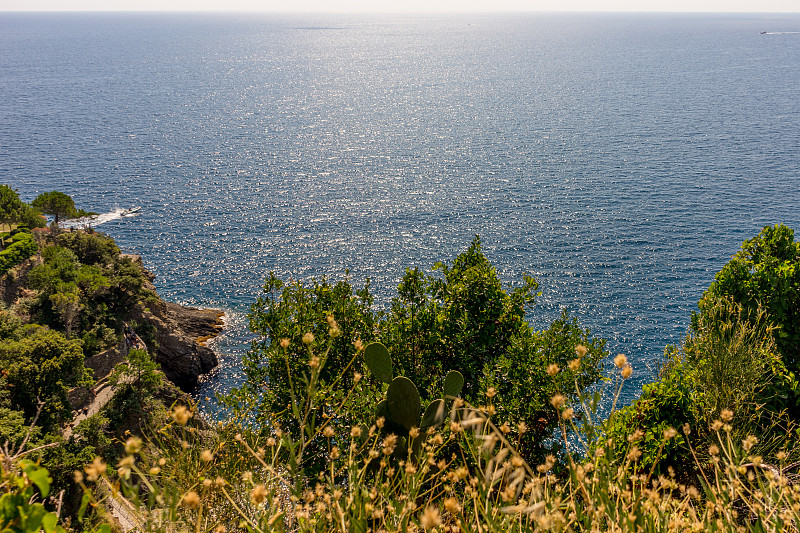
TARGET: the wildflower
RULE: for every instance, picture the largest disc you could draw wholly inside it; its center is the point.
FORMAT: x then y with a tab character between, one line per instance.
207	482
687	429
220	529
636	435
308	338
634	454
359	346
670	433
568	413
456	427
451	505
430	518
206	456
335	453
124	466
181	415
328	432
726	415
191	500
552	369
713	449
271	442
314	362
558	401
357	377
78	476
154	470
380	421
749	442
716	425
581	350
626	372
95	469
133	445
620	360
574	365
505	428
491	392
522	427
284	343
389	443
258	494
355	431
781	455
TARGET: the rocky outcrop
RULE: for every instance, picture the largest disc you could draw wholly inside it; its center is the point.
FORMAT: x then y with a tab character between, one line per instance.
180	334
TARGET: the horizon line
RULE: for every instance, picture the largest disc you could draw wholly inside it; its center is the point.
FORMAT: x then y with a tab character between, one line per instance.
408	12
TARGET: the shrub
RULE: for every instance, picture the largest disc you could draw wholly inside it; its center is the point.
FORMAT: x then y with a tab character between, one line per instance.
22	247
765	274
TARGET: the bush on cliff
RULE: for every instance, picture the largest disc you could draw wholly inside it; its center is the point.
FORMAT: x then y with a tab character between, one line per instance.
461	320
20	248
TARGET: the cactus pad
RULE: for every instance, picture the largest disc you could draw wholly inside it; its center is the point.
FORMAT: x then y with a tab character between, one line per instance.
377	359
403	402
453	383
434	415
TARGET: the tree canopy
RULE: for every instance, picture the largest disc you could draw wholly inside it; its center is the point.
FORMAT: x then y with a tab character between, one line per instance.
56	203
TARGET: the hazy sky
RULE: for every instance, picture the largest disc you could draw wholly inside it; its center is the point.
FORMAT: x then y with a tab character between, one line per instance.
367	6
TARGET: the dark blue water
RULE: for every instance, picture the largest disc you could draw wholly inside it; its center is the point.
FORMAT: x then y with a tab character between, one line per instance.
620	159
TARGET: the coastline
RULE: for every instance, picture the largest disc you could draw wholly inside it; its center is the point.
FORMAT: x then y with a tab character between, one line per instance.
181	334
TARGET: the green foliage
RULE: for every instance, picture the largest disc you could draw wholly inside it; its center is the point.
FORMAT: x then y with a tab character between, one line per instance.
460	320
19	510
55	203
139	375
41	365
92	297
290	311
89	248
765	274
664	404
11	206
20	248
524	388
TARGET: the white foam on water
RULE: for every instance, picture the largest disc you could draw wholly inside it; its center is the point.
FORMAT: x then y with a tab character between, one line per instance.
95	220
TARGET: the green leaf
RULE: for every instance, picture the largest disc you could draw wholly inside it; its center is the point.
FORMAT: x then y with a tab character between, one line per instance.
377	359
49	522
453	383
434	414
403	402
40	478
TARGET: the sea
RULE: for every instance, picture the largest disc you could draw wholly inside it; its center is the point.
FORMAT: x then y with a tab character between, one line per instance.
620	159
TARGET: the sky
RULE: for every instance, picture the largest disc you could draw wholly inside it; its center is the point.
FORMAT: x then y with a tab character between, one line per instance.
404	6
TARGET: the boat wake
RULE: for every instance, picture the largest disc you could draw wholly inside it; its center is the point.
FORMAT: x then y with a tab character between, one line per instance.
96	220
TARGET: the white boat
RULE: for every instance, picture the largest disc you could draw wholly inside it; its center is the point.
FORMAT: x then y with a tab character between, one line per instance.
132	210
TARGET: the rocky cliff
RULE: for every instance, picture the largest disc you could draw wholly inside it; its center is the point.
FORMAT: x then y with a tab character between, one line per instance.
179	333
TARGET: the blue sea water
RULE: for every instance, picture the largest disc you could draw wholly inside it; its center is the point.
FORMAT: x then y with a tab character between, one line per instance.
620	159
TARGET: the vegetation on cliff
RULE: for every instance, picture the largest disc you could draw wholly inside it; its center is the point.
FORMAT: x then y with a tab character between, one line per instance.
445	412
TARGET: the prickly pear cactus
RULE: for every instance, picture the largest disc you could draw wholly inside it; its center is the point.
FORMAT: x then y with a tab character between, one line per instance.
377	359
403	402
453	383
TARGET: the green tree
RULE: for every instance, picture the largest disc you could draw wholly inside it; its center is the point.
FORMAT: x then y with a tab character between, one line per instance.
56	203
11	208
460	320
41	365
290	311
